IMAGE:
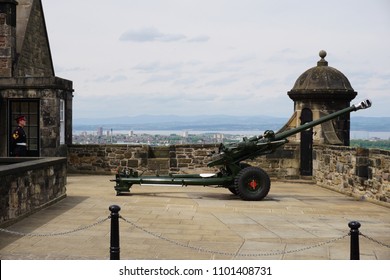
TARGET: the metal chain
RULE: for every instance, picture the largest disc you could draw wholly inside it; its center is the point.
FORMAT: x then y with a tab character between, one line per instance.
56	233
373	240
200	249
272	253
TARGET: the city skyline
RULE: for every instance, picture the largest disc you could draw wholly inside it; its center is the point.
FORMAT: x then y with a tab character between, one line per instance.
129	58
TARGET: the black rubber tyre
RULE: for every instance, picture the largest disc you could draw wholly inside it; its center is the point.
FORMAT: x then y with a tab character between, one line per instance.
232	188
252	183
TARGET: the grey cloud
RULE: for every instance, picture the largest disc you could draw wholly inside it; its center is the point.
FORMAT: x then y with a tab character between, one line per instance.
60	69
242	59
148	67
160	79
221	82
157	66
119	78
102	79
264	83
150	35
185	81
109	79
202	97
199	39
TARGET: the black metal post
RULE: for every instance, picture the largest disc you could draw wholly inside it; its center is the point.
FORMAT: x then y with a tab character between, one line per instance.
354	232
114	238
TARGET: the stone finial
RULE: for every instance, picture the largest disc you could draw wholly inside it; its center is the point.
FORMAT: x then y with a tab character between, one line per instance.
322	61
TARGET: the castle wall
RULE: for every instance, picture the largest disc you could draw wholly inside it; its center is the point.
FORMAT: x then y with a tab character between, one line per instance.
361	173
29	185
107	159
34	56
27	75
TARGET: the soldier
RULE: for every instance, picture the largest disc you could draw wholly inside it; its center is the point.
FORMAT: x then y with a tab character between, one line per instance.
19	139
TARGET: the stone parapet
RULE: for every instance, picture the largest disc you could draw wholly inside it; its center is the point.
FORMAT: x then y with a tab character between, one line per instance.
354	171
29	184
362	173
282	164
107	159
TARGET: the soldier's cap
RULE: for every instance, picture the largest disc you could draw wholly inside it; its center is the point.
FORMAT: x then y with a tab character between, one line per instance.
20	118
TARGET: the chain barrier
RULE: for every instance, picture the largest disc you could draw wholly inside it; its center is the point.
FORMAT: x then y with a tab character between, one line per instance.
375	241
199	249
56	233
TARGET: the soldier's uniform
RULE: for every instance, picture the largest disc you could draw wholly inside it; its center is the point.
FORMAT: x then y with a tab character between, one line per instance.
19	140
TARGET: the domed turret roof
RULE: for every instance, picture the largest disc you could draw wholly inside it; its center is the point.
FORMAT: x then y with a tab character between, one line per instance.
322	81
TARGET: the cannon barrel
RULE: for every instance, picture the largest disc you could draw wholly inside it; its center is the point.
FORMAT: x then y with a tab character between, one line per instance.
362	105
233	154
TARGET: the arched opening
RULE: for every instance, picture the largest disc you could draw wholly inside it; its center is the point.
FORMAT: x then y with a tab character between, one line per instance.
306	162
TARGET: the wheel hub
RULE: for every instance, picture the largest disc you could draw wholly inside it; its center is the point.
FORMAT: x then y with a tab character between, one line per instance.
253	184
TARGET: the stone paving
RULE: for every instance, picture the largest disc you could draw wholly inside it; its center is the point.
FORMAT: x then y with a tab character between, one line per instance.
297	221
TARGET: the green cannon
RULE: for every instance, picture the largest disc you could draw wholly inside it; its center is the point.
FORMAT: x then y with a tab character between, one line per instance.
248	182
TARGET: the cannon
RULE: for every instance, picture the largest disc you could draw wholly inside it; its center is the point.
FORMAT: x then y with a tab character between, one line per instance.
248	182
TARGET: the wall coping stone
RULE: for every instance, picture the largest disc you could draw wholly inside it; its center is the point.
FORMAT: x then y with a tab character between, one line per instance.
15	165
35	83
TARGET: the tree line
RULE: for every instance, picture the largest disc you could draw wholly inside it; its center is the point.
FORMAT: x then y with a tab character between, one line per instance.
371	144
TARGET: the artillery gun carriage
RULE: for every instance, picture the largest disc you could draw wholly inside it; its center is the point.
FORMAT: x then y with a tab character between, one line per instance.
248	182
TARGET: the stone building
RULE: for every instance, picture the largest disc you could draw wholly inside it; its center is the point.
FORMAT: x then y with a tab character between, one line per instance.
317	92
28	85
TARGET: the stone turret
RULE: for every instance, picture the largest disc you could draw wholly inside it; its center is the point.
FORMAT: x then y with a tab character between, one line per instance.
321	90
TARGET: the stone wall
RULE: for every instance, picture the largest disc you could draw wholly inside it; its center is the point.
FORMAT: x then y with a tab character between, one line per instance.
27	74
29	185
282	164
107	159
7	38
48	91
362	173
34	56
353	171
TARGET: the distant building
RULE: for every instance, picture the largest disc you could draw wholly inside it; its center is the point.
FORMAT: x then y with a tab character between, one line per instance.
100	131
28	85
218	137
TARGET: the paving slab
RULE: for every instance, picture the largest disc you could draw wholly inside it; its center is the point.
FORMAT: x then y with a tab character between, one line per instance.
296	221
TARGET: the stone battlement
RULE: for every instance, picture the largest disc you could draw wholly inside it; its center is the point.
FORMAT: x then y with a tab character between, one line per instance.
358	172
29	184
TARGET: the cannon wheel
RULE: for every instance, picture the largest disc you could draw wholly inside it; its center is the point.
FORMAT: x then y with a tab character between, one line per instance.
119	188
232	188
252	183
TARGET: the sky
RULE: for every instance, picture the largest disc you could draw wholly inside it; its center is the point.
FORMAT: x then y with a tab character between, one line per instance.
208	57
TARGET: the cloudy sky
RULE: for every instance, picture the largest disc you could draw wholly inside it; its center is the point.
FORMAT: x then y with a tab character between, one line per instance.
192	57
